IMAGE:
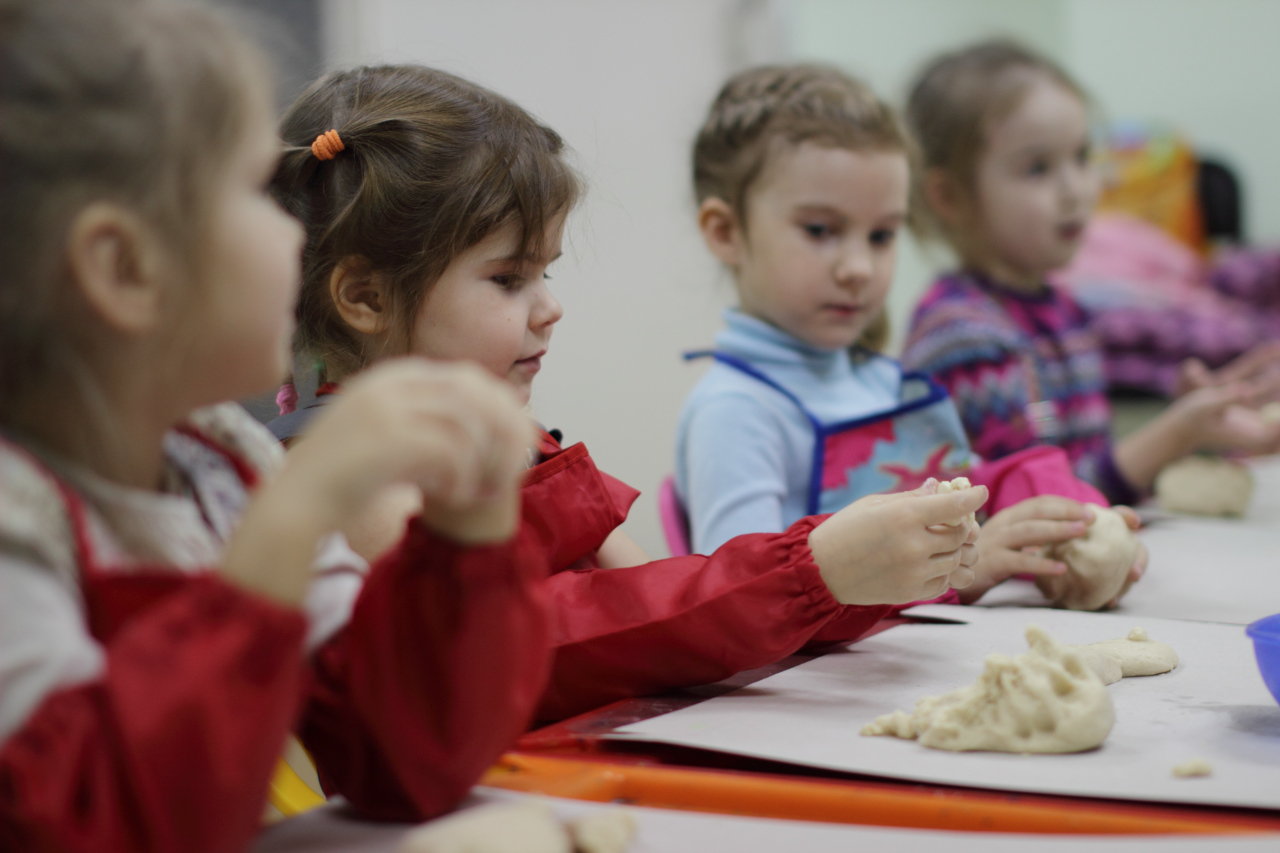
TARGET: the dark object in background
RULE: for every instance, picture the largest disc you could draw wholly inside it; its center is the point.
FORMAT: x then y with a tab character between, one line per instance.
1221	202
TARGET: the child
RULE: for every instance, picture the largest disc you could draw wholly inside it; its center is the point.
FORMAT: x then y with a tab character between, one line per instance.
432	213
171	604
802	179
1009	183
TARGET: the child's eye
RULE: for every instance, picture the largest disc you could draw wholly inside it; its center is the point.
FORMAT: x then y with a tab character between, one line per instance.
508	281
1037	168
816	230
883	237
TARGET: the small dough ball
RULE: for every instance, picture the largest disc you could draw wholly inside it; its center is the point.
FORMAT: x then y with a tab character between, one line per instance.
1205	485
527	827
1098	563
1046	700
607	831
954	485
1195	768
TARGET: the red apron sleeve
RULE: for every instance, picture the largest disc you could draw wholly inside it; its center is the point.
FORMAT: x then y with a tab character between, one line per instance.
436	674
688	620
173	747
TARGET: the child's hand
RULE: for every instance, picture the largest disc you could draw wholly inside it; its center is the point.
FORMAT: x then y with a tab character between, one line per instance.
452	430
1260	365
1013	540
892	549
1224	418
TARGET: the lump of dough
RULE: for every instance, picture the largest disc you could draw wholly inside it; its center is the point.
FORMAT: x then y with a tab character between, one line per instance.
1046	700
1205	485
526	827
607	831
1192	769
1098	563
1125	657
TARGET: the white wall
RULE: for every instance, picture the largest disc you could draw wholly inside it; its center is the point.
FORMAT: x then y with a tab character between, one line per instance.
1211	67
626	83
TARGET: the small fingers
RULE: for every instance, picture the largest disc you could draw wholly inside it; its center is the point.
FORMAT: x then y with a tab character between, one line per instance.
1129	515
1039	532
950	508
1046	507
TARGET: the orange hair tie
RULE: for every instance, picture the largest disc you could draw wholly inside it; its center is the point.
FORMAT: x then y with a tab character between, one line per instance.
327	145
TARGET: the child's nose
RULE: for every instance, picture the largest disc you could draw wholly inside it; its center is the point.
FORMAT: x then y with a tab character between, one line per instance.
853	267
547	310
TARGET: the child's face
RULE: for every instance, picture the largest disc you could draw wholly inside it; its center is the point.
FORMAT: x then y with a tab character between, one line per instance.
250	283
493	308
820	244
1035	185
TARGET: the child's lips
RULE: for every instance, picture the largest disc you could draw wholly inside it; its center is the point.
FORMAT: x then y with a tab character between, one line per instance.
1071	231
841	310
532	363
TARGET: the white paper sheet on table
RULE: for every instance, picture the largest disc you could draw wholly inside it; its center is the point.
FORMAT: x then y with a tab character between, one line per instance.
1214	706
1206	569
669	831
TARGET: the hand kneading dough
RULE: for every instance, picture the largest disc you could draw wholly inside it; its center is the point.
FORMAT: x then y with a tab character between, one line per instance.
1097	563
1205	485
1126	657
1047	700
602	832
505	828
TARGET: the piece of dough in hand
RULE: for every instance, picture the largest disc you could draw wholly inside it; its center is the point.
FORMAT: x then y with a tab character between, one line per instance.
1205	485
1098	563
1047	700
504	828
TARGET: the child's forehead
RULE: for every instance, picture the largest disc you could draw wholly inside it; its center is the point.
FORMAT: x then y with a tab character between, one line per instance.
503	244
810	169
1046	112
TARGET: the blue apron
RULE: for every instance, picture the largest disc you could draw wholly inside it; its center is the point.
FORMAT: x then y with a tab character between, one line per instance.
888	451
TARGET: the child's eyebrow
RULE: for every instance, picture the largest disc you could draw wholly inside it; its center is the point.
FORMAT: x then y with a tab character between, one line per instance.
519	259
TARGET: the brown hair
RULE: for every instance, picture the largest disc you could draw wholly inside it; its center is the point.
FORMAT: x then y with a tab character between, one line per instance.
432	164
957	97
759	108
133	102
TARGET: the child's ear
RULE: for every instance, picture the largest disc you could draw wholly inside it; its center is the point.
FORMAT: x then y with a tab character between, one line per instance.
360	295
720	230
944	195
117	263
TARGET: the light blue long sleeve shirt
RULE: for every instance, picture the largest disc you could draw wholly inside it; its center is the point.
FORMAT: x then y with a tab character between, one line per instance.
743	450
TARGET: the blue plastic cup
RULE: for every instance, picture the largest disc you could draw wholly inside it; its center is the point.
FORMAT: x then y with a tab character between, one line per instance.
1266	648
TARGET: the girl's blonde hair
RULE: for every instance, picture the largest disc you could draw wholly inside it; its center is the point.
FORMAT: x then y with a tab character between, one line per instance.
957	97
761	109
431	165
138	103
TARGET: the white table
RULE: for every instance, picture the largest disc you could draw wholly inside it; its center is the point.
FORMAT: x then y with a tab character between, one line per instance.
1214	706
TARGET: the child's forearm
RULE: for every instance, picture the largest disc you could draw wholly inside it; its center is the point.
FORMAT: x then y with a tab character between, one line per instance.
272	551
1140	455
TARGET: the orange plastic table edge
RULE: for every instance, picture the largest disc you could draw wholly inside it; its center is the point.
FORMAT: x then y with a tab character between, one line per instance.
847	801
